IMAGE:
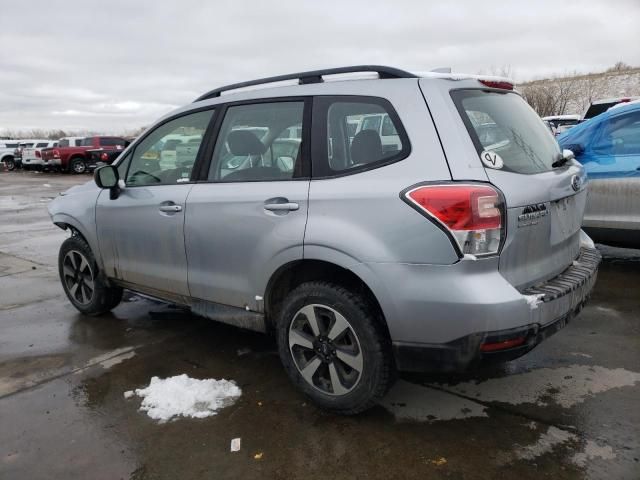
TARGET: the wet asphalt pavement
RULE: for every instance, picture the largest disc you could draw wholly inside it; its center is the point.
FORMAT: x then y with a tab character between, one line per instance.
569	409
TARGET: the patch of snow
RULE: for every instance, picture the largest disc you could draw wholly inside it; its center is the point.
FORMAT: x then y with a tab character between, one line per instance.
46	185
128	394
468	256
566	386
534	300
182	396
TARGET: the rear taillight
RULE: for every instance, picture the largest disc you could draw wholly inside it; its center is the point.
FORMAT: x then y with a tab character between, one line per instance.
38	154
472	214
56	154
104	157
502	85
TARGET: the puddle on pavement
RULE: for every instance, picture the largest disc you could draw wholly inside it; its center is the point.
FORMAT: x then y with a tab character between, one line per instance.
565	386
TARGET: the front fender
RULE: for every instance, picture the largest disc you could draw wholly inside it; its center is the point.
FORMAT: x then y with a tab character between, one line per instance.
78	212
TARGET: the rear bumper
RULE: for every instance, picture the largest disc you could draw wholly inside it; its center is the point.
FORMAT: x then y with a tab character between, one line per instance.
53	162
457	319
32	161
562	296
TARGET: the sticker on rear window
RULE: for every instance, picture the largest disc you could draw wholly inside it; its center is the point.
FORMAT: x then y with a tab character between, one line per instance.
491	159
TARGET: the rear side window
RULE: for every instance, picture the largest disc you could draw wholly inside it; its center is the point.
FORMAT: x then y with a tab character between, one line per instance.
111	142
505	124
87	142
356	134
42	144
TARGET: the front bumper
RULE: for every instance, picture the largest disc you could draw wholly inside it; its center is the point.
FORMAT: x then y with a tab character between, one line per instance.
559	299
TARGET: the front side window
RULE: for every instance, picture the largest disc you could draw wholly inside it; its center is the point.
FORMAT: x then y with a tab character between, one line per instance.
505	124
259	142
620	136
153	164
353	139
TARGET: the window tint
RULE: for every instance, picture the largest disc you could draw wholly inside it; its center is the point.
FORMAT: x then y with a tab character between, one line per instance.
503	123
42	144
78	141
152	164
353	137
111	142
259	142
620	136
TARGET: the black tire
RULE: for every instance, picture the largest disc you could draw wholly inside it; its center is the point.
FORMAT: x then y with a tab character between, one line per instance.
77	166
74	272
10	163
365	337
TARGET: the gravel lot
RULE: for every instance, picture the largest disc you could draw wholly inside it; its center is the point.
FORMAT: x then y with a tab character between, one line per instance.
569	409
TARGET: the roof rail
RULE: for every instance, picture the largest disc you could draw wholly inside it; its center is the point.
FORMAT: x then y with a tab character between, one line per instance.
313	76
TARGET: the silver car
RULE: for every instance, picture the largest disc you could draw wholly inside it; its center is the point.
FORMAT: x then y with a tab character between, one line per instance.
445	253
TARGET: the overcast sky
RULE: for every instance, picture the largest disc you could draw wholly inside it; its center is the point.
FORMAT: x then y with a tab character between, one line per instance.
115	65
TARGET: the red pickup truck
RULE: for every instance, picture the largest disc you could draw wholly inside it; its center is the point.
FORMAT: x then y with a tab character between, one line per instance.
74	159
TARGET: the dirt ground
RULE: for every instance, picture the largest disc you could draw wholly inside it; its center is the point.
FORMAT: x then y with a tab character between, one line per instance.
567	410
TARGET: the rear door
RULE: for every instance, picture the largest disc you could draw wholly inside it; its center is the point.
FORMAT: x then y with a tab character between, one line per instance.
545	205
248	215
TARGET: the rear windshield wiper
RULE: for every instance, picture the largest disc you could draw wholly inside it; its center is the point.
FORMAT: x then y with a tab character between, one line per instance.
563	158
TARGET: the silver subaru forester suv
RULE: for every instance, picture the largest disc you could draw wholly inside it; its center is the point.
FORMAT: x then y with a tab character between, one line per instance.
454	242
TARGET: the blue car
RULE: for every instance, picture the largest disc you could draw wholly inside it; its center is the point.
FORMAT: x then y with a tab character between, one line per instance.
608	146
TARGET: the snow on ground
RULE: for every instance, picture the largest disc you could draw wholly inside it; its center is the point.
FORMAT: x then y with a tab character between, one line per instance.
182	396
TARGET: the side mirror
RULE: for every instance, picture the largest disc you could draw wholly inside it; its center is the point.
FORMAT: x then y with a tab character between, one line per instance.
106	177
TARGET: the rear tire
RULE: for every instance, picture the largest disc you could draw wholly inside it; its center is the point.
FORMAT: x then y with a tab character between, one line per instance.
334	348
10	163
77	166
81	280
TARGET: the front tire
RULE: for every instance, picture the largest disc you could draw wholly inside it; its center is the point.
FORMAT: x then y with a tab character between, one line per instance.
334	348
77	166
81	280
10	163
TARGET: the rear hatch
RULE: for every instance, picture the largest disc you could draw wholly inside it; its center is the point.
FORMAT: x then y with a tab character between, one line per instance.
544	204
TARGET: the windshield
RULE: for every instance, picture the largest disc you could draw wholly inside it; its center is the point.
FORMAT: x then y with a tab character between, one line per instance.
505	124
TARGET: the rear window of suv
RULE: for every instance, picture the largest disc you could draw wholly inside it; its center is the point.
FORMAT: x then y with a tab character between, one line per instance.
505	124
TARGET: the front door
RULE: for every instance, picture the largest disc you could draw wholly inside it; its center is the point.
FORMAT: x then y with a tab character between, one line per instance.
249	216
612	163
141	233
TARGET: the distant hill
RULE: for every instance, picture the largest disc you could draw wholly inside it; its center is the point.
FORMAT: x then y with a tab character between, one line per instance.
573	94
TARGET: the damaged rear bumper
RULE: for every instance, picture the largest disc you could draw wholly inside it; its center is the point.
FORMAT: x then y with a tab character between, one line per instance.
553	304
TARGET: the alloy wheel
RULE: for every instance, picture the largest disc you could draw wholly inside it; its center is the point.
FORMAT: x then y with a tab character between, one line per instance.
325	349
78	277
79	167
